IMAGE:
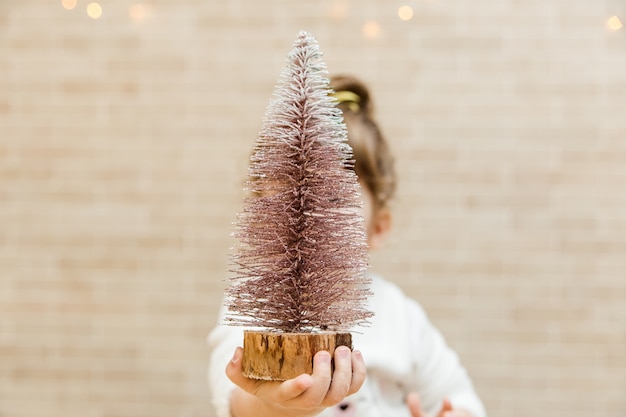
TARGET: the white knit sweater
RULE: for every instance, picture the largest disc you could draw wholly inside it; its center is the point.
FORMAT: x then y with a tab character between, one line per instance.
403	353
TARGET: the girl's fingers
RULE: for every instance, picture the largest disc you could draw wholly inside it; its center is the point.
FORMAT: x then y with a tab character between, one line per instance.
358	372
307	391
342	377
415	408
446	406
269	390
290	389
233	372
314	395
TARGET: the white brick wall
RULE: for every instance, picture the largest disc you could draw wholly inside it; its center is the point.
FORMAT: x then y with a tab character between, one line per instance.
123	144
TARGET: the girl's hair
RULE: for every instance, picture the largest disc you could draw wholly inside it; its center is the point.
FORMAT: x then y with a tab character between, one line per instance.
374	164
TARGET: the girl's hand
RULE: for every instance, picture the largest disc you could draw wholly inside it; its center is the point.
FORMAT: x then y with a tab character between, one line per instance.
305	395
413	402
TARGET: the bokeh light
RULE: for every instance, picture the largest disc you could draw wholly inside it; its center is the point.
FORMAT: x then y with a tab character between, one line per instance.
614	23
405	13
371	29
94	10
68	4
138	12
339	10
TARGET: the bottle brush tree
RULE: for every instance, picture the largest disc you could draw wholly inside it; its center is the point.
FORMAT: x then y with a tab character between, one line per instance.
298	267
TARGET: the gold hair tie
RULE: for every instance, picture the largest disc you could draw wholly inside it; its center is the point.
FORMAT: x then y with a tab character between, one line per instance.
350	98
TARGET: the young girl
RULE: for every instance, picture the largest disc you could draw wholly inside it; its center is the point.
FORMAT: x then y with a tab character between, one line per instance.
410	370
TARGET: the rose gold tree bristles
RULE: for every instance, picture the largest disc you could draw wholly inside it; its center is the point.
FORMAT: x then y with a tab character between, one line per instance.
300	261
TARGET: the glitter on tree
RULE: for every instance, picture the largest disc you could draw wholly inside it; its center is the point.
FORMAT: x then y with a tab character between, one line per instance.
299	265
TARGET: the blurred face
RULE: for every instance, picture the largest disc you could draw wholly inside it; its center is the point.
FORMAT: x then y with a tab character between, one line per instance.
367	211
377	220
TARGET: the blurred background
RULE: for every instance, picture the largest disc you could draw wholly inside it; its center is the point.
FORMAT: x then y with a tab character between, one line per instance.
124	132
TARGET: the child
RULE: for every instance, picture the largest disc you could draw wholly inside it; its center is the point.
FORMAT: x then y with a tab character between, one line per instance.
411	372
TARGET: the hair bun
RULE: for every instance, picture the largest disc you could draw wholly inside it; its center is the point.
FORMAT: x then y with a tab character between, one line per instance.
351	84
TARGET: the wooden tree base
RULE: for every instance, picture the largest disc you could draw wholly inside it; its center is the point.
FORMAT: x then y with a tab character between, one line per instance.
281	356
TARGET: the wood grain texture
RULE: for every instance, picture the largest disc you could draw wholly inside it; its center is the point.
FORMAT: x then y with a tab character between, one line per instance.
281	356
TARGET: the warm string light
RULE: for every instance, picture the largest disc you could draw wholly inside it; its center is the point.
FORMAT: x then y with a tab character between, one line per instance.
139	12
68	4
614	23
94	10
339	10
371	29
405	13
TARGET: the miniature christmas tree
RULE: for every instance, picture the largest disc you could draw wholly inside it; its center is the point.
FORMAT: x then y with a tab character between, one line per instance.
299	265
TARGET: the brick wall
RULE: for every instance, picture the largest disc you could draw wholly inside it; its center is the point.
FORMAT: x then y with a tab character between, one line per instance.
123	141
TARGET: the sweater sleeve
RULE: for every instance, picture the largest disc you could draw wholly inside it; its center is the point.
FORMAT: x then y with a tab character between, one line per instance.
439	372
222	341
